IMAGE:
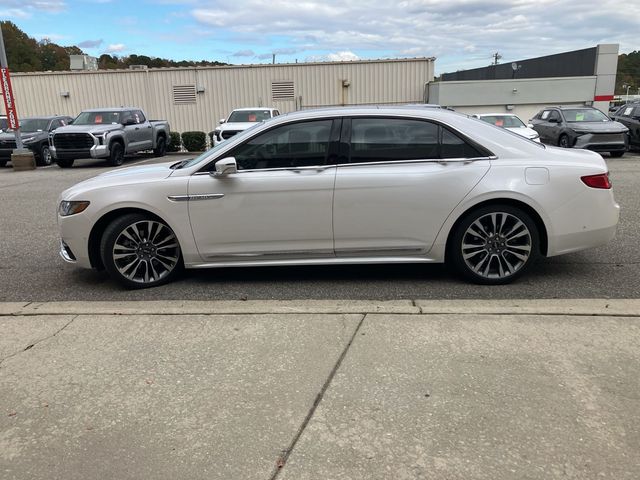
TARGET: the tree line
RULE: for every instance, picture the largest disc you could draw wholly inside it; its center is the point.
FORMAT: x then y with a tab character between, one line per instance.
26	54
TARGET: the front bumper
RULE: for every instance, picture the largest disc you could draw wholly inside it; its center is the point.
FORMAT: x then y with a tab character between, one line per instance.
603	142
97	151
74	240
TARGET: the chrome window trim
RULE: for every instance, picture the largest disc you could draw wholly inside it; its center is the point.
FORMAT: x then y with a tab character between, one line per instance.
426	160
281	121
279	169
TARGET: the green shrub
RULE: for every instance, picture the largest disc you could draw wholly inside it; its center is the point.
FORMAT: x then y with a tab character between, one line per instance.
194	141
175	144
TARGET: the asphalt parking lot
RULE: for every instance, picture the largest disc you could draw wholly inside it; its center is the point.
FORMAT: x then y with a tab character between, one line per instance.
31	270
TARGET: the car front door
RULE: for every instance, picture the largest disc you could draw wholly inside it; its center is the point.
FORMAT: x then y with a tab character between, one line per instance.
629	116
397	181
144	134
278	206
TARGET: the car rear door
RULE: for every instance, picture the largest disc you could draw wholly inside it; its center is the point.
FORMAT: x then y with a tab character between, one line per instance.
397	181
278	206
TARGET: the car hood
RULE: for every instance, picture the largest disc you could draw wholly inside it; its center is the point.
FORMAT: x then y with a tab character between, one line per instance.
525	132
598	127
89	128
119	177
10	136
236	126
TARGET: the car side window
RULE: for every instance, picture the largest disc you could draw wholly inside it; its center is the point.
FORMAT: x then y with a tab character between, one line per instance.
276	113
554	115
138	116
455	147
54	124
385	139
293	145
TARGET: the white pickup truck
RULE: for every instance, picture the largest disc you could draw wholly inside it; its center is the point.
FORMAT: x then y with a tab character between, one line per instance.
109	133
241	119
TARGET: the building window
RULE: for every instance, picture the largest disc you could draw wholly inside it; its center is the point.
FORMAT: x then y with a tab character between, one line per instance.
184	94
282	90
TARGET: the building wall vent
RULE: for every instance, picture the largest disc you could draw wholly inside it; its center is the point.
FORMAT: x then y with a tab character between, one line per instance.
184	94
282	90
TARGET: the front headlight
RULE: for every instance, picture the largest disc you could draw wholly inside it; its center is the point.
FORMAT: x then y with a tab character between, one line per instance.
101	137
67	208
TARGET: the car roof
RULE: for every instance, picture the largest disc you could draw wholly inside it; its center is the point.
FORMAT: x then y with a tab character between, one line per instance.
47	117
111	109
496	115
252	108
569	107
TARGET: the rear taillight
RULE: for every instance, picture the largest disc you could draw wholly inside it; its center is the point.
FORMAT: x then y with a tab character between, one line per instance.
597	181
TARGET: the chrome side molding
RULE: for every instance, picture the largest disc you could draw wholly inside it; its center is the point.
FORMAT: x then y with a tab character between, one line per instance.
202	196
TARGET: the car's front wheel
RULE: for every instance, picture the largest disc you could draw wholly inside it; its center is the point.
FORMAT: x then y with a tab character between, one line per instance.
564	142
139	251
161	147
45	156
116	158
495	244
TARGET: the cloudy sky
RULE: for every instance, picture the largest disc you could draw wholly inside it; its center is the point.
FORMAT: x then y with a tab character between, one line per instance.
460	33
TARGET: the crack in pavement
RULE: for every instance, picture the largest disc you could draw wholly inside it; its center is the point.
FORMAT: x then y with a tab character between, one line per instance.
281	461
30	346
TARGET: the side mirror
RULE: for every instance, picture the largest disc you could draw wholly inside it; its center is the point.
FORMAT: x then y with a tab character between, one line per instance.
129	121
530	125
553	120
225	167
222	120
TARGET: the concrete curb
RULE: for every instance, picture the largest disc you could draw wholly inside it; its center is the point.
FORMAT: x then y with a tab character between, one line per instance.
579	307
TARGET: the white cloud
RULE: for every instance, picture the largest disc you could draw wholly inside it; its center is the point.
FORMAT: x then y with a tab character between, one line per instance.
461	33
342	57
116	47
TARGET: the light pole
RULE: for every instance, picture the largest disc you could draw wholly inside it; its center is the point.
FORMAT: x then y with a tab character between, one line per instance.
624	85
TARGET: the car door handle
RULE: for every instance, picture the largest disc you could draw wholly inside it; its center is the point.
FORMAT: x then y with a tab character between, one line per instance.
317	168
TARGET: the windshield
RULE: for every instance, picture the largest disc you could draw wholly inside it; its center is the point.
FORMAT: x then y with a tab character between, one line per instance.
30	125
249	116
206	155
97	118
585	115
505	121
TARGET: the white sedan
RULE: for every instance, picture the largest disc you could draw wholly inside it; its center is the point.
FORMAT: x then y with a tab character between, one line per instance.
511	122
345	186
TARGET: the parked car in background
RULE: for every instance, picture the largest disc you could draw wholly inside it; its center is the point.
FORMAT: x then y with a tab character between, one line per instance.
241	119
34	133
109	133
4	123
345	186
581	127
511	122
629	116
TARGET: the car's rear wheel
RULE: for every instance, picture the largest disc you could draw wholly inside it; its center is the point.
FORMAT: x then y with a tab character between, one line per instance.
495	244
64	163
161	147
45	156
616	154
116	158
563	141
139	251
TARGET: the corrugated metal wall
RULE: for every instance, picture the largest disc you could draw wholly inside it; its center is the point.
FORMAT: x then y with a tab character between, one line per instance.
225	88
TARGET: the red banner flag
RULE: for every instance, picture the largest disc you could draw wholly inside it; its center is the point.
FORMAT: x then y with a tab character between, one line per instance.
7	93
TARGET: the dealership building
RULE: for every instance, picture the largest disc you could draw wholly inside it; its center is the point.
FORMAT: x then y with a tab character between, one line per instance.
196	98
577	78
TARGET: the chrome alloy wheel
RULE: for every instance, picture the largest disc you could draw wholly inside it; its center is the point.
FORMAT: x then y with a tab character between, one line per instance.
146	251
496	245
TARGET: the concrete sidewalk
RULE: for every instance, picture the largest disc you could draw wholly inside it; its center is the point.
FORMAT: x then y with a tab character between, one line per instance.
320	390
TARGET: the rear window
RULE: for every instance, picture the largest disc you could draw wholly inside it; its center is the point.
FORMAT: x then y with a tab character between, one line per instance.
584	115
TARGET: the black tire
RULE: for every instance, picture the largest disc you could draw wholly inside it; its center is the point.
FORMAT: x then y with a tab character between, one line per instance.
44	158
3	163
116	158
149	260
563	141
616	154
161	147
468	248
64	163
